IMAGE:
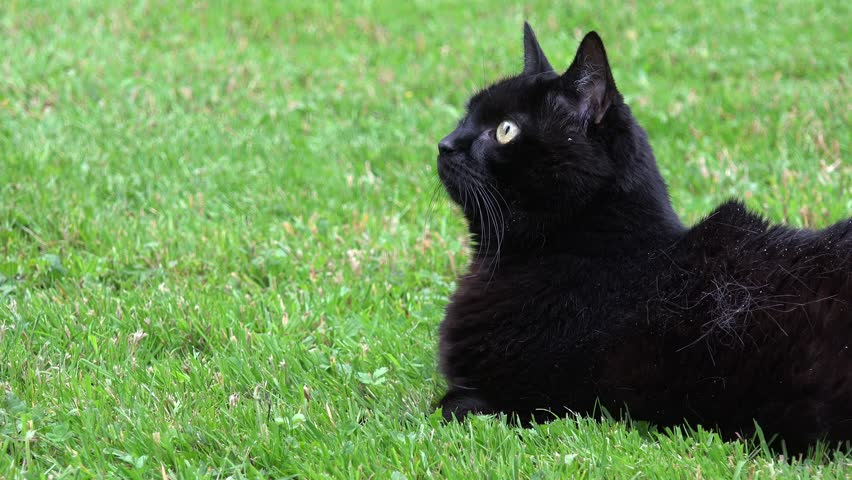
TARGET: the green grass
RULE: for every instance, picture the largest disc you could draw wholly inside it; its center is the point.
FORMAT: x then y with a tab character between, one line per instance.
221	253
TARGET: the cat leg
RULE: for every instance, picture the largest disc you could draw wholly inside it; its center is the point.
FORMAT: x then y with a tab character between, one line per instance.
459	403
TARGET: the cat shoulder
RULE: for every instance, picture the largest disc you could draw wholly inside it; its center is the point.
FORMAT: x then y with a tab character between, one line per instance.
729	221
732	223
840	232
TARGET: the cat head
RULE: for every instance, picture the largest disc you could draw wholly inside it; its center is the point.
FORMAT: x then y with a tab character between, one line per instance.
537	149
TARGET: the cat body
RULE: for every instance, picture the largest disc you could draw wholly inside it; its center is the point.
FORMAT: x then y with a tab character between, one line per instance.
585	290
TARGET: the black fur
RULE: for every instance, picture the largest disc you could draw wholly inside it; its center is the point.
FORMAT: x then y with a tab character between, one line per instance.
585	287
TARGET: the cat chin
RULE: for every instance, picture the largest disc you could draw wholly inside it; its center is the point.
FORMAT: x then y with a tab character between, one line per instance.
452	176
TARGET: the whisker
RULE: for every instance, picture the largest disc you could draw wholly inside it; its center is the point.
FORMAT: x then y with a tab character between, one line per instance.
499	220
436	191
482	221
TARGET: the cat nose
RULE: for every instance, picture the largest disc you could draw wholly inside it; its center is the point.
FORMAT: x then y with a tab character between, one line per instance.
446	145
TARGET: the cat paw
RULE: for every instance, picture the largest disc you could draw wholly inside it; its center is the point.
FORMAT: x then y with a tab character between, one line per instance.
458	404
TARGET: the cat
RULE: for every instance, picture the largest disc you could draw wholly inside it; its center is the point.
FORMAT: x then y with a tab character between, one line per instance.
586	292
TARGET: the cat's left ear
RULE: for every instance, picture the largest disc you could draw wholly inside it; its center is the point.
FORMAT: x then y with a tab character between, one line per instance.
534	60
591	78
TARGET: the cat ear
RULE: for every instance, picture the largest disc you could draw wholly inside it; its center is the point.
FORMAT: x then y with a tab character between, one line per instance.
534	60
591	77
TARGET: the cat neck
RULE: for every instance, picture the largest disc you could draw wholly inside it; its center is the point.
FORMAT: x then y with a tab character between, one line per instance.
626	225
634	216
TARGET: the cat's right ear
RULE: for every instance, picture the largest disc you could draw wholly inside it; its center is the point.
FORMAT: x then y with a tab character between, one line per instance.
591	78
534	60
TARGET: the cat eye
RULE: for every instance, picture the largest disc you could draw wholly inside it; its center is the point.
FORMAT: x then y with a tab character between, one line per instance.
506	131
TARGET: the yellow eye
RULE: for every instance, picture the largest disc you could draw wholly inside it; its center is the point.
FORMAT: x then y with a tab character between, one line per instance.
506	131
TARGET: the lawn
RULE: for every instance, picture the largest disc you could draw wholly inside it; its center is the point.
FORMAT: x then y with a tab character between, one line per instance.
224	250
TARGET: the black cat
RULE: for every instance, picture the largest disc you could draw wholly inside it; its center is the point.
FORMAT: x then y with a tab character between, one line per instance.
586	290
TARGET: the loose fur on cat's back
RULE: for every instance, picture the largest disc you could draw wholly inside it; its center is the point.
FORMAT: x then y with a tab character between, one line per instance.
586	290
